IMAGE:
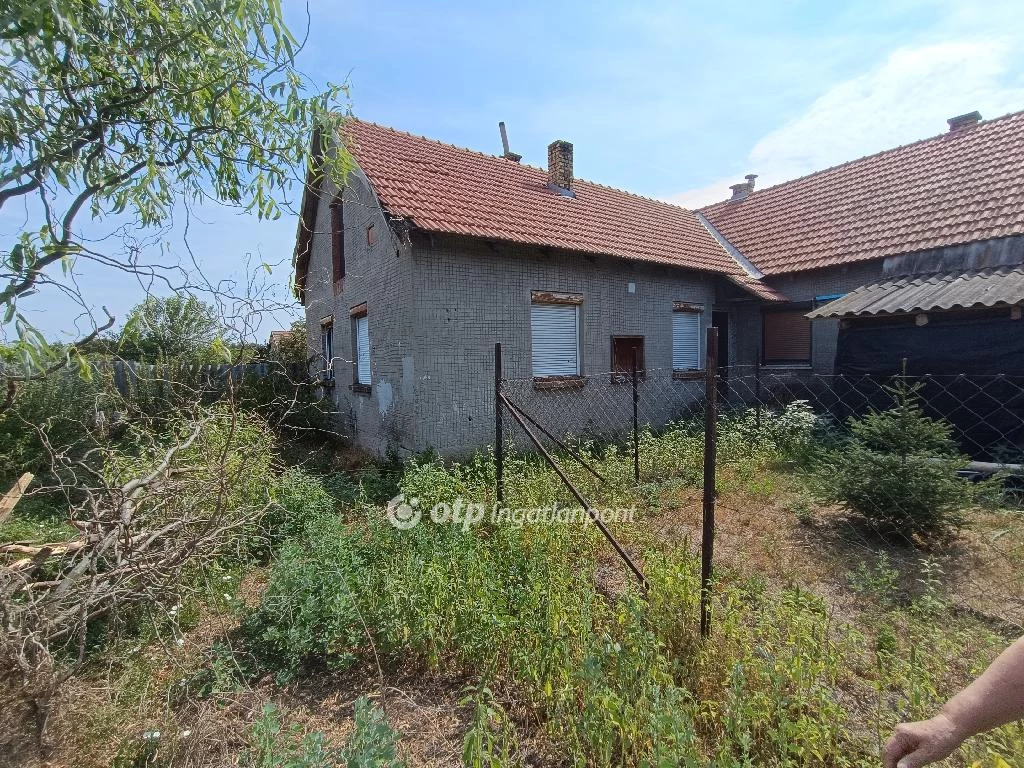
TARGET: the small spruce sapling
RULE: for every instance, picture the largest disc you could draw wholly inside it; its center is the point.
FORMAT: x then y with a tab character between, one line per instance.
899	469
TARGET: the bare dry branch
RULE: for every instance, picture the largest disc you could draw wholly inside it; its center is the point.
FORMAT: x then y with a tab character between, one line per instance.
13	496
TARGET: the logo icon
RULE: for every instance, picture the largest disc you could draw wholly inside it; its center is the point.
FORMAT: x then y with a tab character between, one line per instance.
402	513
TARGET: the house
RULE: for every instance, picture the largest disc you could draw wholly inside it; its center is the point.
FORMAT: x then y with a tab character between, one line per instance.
278	340
913	253
433	253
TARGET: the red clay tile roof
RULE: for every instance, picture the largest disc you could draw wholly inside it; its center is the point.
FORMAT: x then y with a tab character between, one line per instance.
955	188
756	287
442	188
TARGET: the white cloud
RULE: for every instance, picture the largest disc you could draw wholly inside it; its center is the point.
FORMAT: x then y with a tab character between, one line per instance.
909	97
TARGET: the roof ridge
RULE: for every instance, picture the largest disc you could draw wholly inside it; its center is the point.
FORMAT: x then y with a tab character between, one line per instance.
637	195
997	269
436	141
520	164
821	171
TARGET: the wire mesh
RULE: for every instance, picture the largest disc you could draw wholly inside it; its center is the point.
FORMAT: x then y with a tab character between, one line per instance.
810	484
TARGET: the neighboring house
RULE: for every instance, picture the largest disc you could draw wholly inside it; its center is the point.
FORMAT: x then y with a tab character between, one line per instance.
432	253
907	254
279	340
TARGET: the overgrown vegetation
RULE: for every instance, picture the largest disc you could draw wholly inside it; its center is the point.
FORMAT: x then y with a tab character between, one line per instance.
603	677
620	682
372	744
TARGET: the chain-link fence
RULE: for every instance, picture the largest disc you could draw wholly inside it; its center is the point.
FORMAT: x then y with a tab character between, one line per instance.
910	480
985	413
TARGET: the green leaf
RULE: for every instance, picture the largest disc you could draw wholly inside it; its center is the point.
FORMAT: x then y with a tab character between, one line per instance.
17	258
84	369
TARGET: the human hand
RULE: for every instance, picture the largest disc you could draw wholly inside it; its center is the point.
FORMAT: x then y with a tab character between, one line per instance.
915	744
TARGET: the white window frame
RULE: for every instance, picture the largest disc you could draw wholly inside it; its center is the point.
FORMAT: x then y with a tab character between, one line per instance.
327	346
687	319
362	376
542	366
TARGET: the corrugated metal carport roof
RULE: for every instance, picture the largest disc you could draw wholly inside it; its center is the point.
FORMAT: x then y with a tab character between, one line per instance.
928	293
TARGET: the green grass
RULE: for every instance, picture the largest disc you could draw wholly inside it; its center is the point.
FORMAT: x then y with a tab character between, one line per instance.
37	519
786	680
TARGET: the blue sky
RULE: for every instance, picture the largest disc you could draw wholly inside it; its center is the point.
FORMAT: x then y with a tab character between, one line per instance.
671	100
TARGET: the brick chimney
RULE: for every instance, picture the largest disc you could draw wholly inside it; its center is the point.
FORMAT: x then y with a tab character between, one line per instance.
961	122
560	166
742	191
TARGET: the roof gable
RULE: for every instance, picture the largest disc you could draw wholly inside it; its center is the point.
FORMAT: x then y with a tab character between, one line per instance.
959	187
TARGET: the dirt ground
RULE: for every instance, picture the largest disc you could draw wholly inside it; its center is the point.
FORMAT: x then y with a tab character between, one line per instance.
781	537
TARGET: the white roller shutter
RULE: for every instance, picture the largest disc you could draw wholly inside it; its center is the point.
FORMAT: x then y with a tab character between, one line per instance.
362	351
685	341
555	332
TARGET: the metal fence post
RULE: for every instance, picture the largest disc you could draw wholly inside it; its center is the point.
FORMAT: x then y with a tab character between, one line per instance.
707	542
757	392
499	435
636	423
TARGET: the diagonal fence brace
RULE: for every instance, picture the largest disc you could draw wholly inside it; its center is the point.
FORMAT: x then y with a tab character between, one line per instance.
519	417
575	455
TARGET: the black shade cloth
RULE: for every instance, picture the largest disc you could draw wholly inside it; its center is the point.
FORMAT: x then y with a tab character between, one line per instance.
989	346
972	371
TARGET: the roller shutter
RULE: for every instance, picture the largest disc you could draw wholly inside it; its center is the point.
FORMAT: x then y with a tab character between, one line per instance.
685	341
555	336
787	336
362	351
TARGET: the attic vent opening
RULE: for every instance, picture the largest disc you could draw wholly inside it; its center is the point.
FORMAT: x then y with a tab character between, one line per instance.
960	122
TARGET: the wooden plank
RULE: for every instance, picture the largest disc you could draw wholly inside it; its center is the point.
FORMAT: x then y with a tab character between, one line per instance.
554	297
685	306
13	496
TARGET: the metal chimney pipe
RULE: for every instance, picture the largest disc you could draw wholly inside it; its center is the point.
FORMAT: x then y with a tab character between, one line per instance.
504	138
506	152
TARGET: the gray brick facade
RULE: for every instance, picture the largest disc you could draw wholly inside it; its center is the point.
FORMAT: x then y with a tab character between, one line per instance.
437	304
381	276
470	295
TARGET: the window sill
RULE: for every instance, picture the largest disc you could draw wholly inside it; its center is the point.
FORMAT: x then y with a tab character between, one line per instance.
559	382
787	366
361	389
622	377
688	375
